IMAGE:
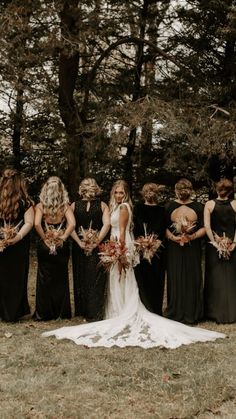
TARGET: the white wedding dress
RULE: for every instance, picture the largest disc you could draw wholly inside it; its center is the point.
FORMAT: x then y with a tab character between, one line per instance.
128	322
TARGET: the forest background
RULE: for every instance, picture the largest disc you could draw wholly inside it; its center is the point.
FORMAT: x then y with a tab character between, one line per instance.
139	89
142	90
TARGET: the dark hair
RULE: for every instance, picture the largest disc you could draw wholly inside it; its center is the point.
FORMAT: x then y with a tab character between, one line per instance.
183	189
224	187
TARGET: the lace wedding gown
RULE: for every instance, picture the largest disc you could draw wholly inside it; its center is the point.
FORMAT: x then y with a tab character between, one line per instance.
128	322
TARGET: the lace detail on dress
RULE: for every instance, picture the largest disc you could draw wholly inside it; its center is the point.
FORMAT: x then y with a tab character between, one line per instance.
128	323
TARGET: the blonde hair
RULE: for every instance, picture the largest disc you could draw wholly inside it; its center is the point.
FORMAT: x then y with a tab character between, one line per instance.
183	189
54	197
12	191
150	192
89	189
224	187
123	184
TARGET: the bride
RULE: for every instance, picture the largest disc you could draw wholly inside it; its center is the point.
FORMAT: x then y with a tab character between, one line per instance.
128	322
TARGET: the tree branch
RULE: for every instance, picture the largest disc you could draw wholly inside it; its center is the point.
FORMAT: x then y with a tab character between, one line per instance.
114	45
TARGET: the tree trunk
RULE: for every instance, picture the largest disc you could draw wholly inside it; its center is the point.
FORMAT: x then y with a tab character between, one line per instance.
229	69
139	59
68	71
17	127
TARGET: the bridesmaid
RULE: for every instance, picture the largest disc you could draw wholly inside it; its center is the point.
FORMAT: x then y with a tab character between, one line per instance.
151	276
16	209
220	277
184	272
89	278
52	289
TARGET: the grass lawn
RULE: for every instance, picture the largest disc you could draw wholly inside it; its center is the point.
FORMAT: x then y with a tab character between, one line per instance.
46	378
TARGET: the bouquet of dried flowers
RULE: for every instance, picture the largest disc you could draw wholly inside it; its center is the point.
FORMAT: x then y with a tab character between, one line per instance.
89	237
53	238
147	245
222	245
183	227
112	252
8	231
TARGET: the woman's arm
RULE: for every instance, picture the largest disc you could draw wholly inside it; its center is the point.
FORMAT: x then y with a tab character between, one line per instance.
173	237
209	206
106	222
233	245
76	238
25	229
70	225
201	228
38	221
123	221
197	234
74	235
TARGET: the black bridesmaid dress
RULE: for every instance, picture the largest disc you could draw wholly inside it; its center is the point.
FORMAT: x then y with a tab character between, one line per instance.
52	287
220	275
184	272
89	277
14	269
151	276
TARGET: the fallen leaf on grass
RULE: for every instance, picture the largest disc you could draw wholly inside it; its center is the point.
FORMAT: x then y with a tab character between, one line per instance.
170	376
214	410
8	335
30	325
176	374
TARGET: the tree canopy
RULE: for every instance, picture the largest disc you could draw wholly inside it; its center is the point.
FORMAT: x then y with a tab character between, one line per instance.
143	90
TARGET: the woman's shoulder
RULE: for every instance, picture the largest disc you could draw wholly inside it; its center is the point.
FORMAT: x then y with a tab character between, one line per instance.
124	205
210	204
104	206
39	206
233	204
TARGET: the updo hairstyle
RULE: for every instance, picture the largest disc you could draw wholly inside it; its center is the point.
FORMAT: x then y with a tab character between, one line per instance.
150	192
183	189
89	189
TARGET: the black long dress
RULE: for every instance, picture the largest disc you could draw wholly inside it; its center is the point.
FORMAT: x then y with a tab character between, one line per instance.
14	269
89	278
52	287
151	276
184	272
220	276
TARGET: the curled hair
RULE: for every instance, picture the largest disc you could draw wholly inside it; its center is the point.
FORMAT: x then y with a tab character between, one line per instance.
183	189
89	189
150	192
224	187
54	197
13	190
123	184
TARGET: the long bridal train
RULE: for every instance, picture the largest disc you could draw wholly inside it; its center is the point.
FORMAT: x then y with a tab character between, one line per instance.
136	326
128	322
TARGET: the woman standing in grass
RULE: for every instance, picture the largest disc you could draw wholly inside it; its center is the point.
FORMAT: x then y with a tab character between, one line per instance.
89	279
128	322
149	218
16	221
54	222
185	229
220	278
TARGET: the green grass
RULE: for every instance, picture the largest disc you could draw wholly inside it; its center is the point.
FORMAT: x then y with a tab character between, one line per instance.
47	378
